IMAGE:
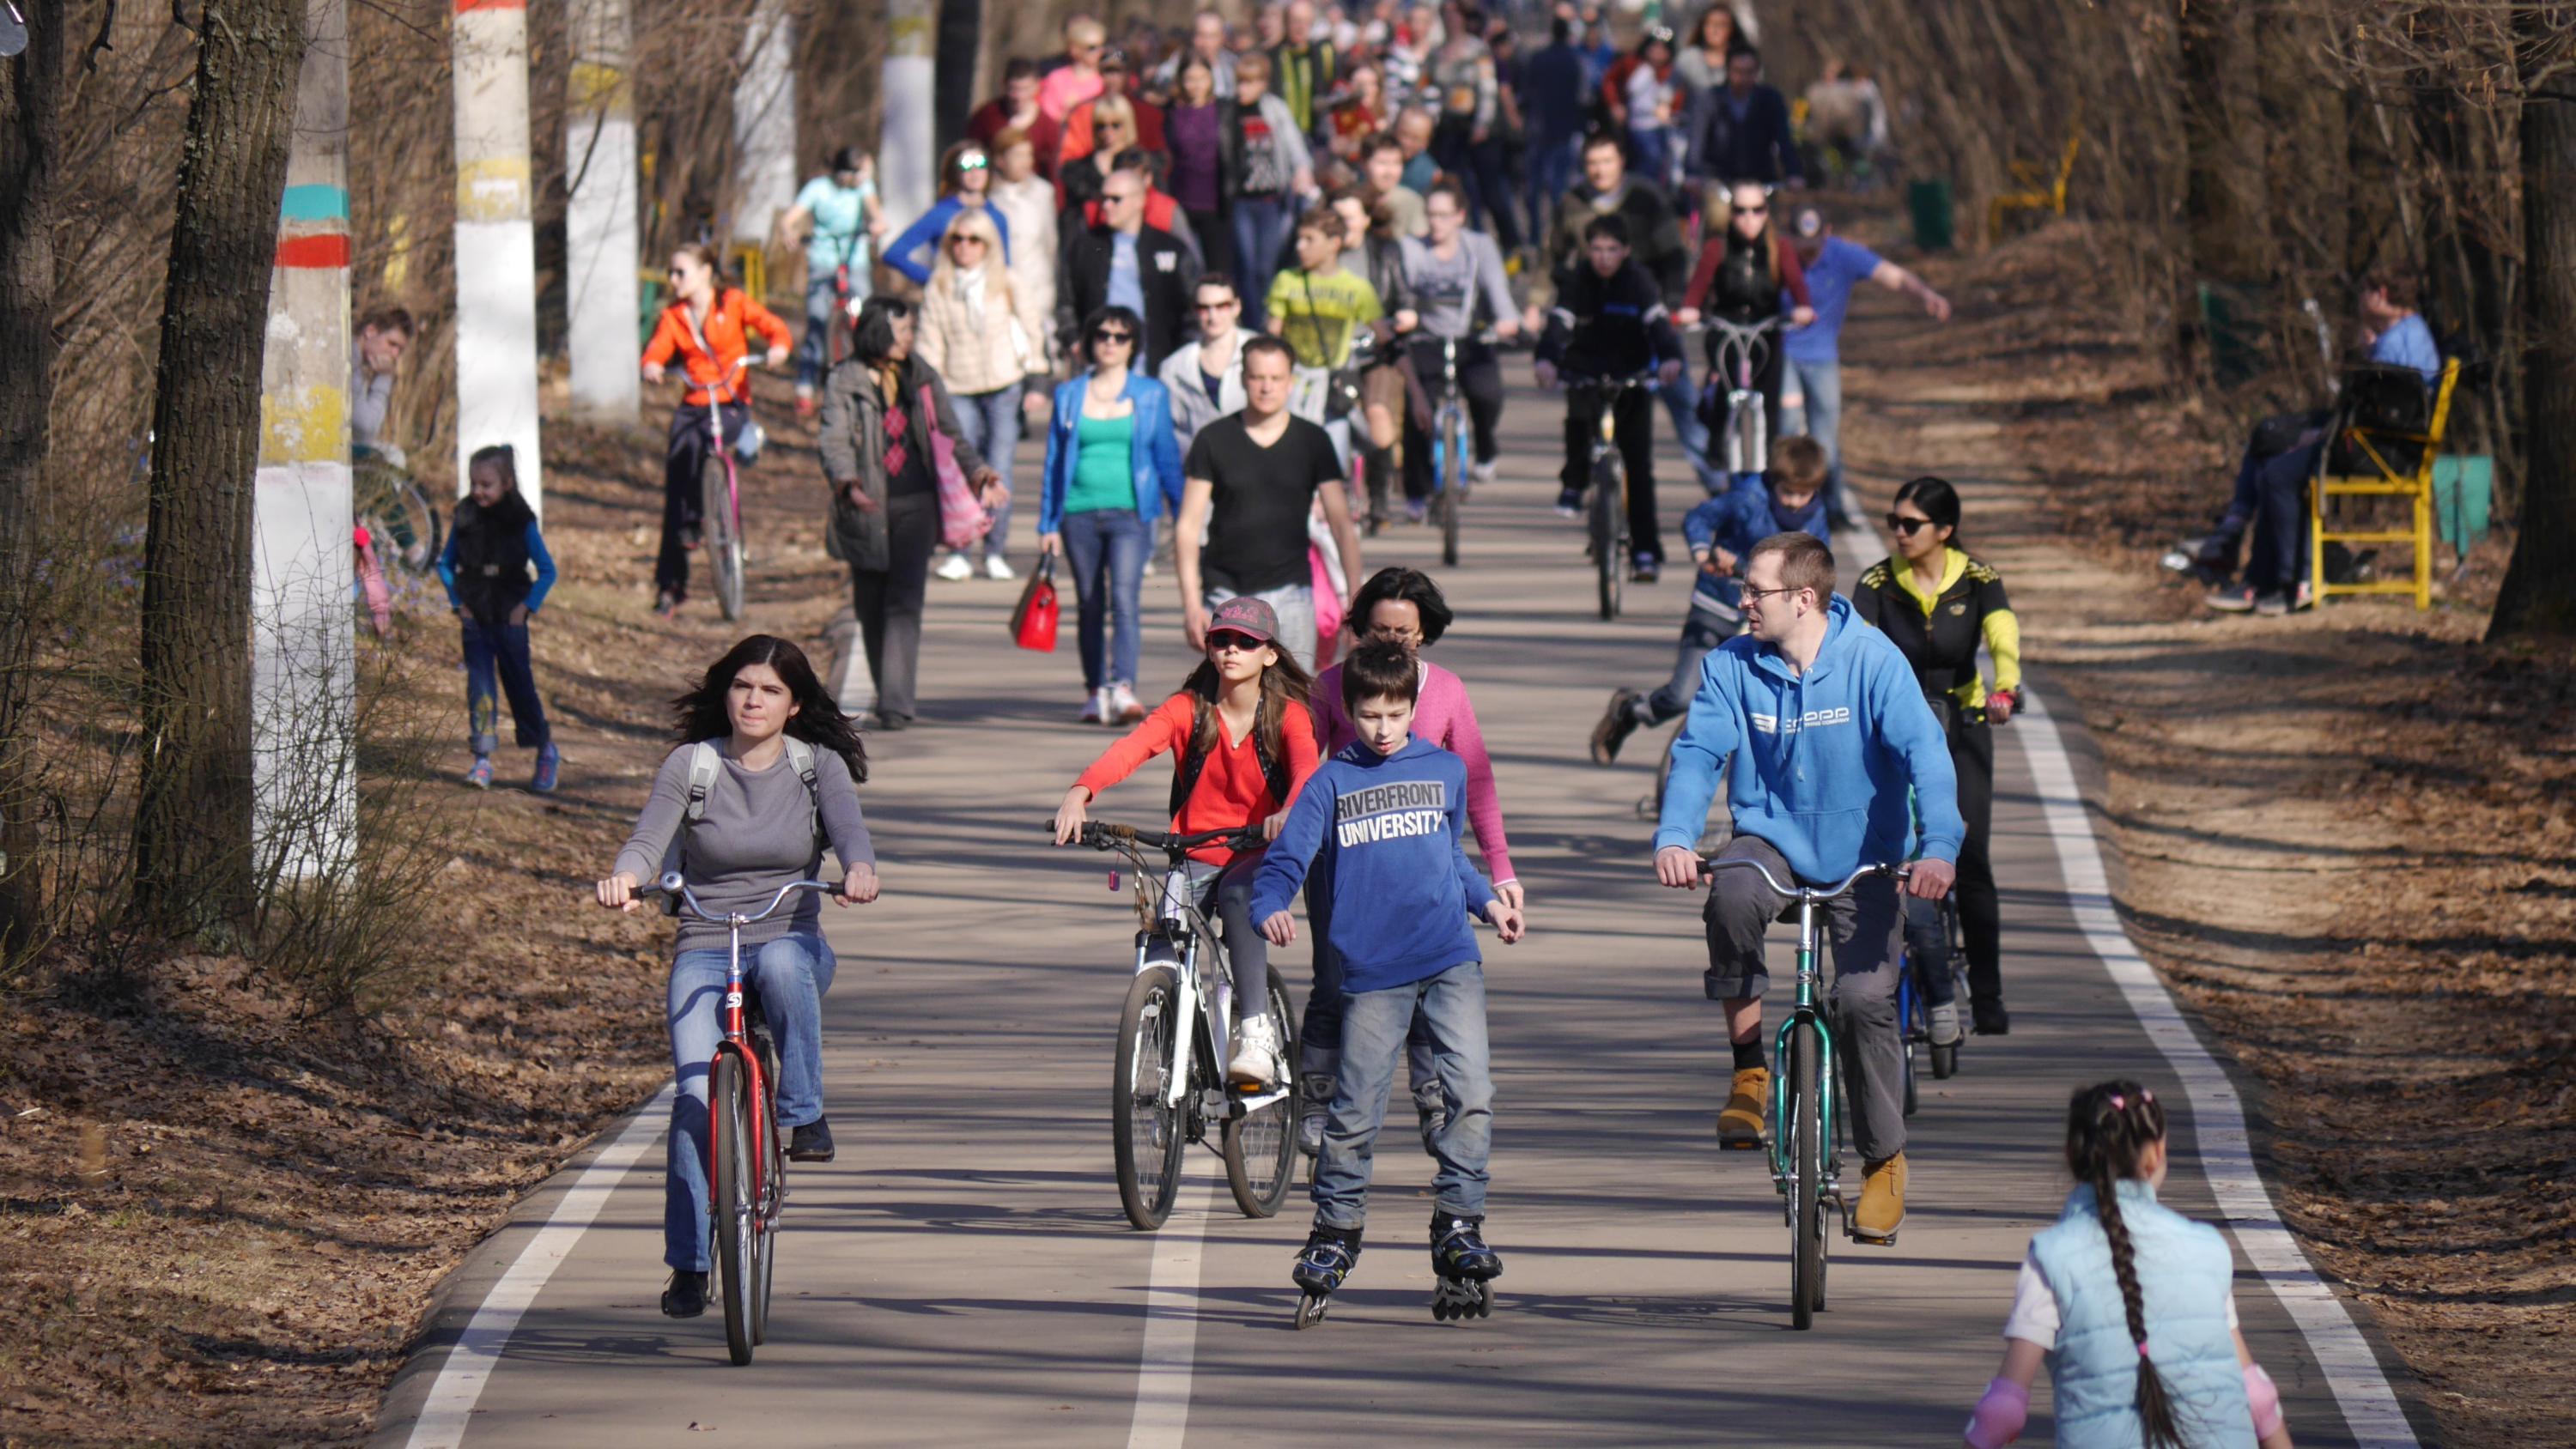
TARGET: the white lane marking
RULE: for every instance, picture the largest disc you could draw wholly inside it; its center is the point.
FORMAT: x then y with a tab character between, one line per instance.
2370	1407
1170	1351
450	1404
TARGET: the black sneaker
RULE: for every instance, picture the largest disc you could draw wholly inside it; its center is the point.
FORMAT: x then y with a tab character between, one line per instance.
1569	503
1617	723
686	1297
1646	569
811	1142
691	535
1990	1018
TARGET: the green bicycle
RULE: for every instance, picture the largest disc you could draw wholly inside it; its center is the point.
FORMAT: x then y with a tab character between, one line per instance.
1806	1099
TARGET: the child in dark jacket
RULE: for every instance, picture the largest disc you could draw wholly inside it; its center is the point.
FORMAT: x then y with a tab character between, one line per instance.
1722	532
497	571
1385	820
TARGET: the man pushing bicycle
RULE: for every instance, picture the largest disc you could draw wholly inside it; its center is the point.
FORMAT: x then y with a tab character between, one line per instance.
1826	728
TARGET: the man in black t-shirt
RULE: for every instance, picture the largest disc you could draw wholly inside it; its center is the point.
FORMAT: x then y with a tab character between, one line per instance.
1252	480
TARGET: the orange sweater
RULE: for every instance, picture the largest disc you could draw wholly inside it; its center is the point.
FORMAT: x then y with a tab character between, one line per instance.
728	323
1231	791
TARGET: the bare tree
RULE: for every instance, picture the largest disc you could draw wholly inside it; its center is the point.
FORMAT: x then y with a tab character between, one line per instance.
192	819
2539	593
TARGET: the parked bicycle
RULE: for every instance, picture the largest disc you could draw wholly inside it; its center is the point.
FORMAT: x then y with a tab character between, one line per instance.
1608	481
1168	1085
746	1157
1807	1097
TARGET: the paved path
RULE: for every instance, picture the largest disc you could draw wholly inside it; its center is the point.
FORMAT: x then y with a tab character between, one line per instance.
964	1275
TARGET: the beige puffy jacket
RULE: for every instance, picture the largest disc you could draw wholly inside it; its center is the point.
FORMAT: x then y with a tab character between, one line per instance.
970	358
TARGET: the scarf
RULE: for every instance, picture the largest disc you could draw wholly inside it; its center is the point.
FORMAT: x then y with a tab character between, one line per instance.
890	387
970	291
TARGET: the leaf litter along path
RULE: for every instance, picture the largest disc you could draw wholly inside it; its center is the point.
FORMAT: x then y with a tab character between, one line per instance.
2344	837
222	1224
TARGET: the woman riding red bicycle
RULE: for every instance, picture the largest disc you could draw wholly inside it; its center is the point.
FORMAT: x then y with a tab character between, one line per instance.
708	327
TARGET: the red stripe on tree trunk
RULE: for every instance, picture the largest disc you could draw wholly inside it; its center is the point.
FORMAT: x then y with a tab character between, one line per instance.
464	5
327	250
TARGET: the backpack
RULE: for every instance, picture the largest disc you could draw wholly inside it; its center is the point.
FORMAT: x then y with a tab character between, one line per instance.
705	763
1194	758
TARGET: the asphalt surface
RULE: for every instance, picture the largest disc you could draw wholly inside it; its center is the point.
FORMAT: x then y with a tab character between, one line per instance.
963	1273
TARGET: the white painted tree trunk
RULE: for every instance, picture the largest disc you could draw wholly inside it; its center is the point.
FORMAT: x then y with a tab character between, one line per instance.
600	214
764	121
303	760
906	164
496	249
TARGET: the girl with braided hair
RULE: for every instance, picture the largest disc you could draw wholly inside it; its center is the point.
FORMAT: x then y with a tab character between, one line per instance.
2129	1305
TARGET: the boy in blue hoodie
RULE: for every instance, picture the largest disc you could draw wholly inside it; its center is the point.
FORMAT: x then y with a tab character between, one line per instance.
1384	820
1826	728
1722	532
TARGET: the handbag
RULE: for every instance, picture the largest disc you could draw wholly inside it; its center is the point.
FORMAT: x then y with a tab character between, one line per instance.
1033	619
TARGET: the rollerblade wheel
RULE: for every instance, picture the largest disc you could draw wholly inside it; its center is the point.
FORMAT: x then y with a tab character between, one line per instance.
1310	1308
1461	1298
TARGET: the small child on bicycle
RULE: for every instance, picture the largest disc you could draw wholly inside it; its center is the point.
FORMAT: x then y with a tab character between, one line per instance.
1385	819
1249	691
2129	1304
1608	323
497	571
1721	532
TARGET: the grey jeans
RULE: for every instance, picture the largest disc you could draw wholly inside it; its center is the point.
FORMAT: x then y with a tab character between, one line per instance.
1868	932
1451	1008
1295	606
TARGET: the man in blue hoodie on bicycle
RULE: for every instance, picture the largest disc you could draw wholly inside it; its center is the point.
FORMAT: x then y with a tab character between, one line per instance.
1826	728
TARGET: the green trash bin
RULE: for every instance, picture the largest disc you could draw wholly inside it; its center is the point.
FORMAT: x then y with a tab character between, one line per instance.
1930	204
2463	495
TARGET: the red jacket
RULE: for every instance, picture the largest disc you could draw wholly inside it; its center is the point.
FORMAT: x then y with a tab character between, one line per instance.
1159	209
994	117
728	325
1784	265
1231	792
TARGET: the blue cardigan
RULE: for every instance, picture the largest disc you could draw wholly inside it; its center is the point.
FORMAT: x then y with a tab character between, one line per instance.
1154	451
927	232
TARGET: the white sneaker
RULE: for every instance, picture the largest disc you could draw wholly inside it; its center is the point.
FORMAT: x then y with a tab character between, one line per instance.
1944	1024
1255	1060
1124	706
998	567
1482	474
1095	706
956	569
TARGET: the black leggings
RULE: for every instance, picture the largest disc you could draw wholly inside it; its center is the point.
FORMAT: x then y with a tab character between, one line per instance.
1480	382
1972	754
682	505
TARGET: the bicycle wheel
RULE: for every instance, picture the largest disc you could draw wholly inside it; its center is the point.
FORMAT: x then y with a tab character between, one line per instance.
773	1185
1453	486
1146	1134
1806	1183
1609	530
720	526
1261	1146
399	516
733	1212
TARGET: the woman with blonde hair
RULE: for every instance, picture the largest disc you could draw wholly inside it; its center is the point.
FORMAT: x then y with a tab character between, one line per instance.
972	336
1113	129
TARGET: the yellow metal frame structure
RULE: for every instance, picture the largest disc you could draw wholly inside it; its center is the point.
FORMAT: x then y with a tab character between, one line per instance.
2045	194
2415	485
751	263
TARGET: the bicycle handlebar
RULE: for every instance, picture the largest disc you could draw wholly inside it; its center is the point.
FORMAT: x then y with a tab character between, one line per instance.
1710	866
1649	378
1102	836
673	884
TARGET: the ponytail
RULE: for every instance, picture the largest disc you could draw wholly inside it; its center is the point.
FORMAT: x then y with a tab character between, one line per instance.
2108	1130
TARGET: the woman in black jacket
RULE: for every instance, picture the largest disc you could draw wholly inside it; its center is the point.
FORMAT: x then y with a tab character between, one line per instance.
904	477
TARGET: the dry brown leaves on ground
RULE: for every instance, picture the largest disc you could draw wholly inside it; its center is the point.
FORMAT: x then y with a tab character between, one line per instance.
2346	834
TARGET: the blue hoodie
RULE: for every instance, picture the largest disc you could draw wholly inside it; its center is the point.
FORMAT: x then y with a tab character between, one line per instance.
1387	830
1736	520
1822	761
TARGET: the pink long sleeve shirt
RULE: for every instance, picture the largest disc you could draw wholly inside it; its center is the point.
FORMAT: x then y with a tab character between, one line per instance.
1444	717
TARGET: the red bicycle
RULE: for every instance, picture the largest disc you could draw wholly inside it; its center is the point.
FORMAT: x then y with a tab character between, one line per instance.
746	1159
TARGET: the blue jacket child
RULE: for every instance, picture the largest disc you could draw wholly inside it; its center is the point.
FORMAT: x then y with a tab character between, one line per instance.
1735	521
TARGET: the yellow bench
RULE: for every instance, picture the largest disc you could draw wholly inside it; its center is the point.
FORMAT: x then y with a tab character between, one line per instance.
2415	485
2044	194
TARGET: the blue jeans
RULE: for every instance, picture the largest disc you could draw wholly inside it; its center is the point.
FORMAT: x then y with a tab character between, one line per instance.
991	422
791	974
1681	400
1261	226
496	660
1107	548
1702	631
1451	1009
814	349
1319	1034
1551	174
1821	418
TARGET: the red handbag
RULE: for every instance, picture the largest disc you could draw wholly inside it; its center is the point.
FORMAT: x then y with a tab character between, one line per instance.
1033	620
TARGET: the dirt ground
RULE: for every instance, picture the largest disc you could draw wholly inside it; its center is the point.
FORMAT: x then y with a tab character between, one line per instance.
2346	834
221	1223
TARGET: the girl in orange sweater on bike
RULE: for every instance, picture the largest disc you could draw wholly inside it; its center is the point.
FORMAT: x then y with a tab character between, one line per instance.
1243	745
708	327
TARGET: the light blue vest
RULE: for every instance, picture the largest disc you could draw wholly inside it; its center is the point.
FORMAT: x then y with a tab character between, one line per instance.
2185	1275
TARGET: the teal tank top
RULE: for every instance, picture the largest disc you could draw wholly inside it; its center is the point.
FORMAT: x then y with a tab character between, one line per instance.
1103	475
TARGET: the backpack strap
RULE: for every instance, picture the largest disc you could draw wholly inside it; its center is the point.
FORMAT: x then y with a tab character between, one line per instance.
1194	757
800	755
705	763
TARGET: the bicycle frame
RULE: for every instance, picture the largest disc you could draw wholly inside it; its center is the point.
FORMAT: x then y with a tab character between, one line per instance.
1739	341
1172	921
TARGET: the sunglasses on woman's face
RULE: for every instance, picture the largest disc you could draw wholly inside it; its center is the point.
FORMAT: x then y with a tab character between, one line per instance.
1219	643
966	241
1907	526
972	163
1103	337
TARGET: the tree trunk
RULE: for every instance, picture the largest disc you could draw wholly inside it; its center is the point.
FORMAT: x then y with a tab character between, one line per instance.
906	159
30	155
2539	593
961	42
192	819
2222	126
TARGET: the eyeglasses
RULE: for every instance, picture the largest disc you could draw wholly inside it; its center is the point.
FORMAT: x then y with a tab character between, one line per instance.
1104	335
1760	594
1228	641
1907	526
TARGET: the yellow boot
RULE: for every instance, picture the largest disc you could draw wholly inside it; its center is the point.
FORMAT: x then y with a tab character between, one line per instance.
1739	1127
1882	1202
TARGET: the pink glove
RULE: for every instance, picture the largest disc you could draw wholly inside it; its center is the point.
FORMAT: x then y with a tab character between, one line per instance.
1999	1416
2264	1398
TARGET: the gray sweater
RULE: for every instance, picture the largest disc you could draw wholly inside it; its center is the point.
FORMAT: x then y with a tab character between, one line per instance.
751	841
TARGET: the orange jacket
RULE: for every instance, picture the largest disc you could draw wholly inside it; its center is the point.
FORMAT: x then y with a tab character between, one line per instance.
726	331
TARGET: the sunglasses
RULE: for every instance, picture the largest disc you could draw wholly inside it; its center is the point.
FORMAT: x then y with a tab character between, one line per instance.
1752	210
1228	640
1907	526
966	240
1104	335
973	162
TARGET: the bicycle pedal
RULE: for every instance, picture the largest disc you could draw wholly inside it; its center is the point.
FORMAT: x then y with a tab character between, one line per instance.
1730	1145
